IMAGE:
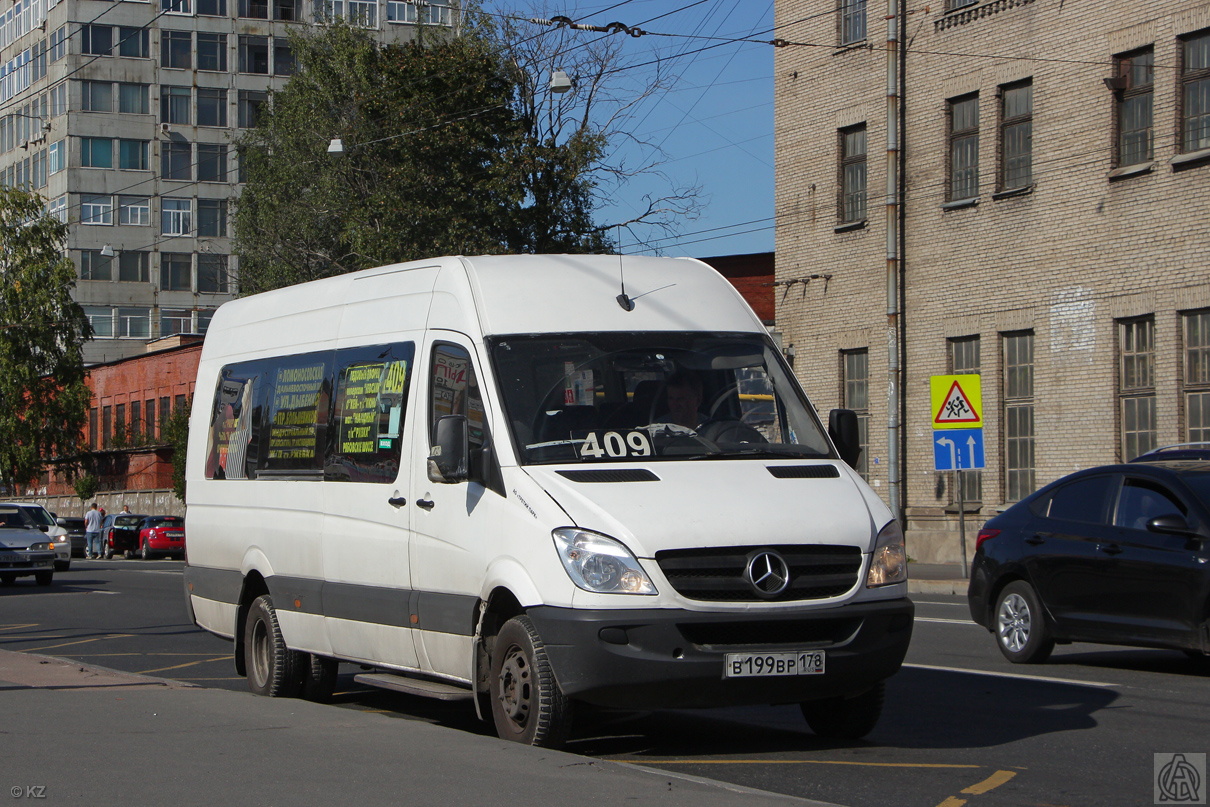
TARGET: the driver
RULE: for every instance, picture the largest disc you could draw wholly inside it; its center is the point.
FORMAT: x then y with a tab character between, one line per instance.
683	393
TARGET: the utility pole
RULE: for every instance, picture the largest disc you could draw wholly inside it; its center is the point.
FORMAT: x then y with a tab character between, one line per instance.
893	258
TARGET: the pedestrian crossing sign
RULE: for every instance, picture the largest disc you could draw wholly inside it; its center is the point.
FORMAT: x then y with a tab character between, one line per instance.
957	401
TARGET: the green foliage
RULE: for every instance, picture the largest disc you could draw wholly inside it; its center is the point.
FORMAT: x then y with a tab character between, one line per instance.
441	158
86	486
175	432
43	398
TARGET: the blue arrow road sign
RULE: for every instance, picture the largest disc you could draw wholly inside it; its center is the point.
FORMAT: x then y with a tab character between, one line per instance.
955	449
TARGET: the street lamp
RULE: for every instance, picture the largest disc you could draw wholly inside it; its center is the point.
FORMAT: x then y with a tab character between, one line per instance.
559	82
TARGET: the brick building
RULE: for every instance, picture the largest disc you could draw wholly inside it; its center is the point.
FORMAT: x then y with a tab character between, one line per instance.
1055	232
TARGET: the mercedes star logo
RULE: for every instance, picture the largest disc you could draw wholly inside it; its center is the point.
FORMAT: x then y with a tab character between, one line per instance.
768	573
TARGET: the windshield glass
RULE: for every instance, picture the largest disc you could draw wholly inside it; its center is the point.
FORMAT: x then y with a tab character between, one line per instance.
638	397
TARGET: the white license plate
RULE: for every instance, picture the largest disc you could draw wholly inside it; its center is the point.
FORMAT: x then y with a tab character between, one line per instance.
754	665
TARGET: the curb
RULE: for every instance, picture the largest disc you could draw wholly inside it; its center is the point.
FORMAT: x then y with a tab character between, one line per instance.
956	587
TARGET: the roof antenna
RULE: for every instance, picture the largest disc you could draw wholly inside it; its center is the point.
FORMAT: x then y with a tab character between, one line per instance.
623	299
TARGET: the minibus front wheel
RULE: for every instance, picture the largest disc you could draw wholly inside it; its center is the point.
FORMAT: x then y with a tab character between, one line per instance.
528	706
272	667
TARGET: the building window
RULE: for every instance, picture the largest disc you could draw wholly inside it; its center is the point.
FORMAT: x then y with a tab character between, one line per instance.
250	103
852	21
136	419
56	156
174	104
1134	141
212	52
96	40
1197	376
101	320
176	6
964	147
149	410
92	428
402	11
254	54
134	210
212	8
954	5
1136	386
96	209
176	49
176	216
176	271
58	43
134	155
132	99
175	320
211	107
212	162
95	266
134	323
1195	95
855	366
363	13
212	217
1016	135
106	426
283	57
57	209
96	152
211	273
119	423
852	174
176	160
134	42
96	96
287	10
165	411
1018	415
254	9
964	359
134	266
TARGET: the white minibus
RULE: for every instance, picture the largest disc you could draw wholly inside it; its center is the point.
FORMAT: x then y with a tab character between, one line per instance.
533	482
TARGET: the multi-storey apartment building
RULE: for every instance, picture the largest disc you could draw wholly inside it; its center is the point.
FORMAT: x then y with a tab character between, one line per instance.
123	115
1055	188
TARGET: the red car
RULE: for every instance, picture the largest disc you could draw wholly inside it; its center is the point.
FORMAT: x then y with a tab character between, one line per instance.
162	535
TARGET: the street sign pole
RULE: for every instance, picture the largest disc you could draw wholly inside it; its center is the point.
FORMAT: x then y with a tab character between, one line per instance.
962	521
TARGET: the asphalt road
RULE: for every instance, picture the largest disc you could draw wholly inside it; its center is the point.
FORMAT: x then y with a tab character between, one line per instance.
961	725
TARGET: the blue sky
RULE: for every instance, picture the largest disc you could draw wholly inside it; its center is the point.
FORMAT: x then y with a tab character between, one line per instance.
714	122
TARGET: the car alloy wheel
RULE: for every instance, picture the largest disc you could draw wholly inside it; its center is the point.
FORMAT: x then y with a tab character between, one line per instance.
1014	622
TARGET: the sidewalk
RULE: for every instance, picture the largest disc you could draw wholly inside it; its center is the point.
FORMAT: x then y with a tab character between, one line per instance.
76	734
936	578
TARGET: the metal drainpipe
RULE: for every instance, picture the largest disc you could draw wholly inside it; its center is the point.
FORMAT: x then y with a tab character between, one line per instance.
893	292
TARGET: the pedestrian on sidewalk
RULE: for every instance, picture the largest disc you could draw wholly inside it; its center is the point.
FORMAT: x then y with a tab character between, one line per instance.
92	532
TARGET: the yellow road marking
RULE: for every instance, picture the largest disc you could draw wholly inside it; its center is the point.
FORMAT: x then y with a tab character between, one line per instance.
952	802
995	780
186	664
792	762
16	626
82	641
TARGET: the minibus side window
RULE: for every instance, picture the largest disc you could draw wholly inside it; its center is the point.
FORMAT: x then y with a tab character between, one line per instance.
368	411
232	426
455	391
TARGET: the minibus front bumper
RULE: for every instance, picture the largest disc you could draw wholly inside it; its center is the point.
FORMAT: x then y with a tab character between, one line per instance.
671	658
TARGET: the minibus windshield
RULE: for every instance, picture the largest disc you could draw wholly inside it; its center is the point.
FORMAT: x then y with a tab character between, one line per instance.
639	397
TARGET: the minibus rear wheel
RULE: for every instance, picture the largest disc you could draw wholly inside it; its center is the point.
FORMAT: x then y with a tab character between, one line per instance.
528	705
272	667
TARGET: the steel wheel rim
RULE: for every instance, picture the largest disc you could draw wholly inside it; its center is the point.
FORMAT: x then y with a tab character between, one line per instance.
260	653
515	686
1014	622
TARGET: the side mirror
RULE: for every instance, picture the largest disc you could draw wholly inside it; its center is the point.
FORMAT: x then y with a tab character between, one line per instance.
448	462
1171	524
846	434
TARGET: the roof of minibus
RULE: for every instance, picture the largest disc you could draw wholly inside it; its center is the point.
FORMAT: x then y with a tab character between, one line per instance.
506	294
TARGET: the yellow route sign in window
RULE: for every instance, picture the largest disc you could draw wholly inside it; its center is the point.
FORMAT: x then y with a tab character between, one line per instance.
957	401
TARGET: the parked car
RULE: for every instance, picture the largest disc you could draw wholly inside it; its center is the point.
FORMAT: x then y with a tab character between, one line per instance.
120	534
162	535
24	550
37	516
75	534
1180	451
1118	554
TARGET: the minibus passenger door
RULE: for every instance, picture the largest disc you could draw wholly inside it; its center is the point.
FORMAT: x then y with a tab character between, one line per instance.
455	517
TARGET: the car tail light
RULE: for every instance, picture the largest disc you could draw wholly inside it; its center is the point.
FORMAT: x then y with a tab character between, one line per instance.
985	535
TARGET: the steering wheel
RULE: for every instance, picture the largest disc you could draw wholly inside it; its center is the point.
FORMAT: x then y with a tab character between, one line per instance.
730	431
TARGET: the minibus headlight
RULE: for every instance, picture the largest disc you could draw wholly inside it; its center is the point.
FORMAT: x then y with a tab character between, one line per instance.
599	563
889	562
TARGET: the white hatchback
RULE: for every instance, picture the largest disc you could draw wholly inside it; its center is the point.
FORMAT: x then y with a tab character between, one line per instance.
35	515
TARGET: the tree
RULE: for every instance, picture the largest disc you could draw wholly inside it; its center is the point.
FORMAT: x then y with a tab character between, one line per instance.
175	432
449	150
43	397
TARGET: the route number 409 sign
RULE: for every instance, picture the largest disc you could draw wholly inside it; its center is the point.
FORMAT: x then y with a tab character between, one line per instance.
610	445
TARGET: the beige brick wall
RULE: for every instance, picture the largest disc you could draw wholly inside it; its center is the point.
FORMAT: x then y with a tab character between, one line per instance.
1065	260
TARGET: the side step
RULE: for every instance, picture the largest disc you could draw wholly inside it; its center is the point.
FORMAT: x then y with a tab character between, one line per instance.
415	686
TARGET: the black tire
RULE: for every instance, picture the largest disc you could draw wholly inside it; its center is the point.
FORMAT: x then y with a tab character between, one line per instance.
272	667
527	704
847	718
44	578
107	552
1020	625
145	550
318	674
